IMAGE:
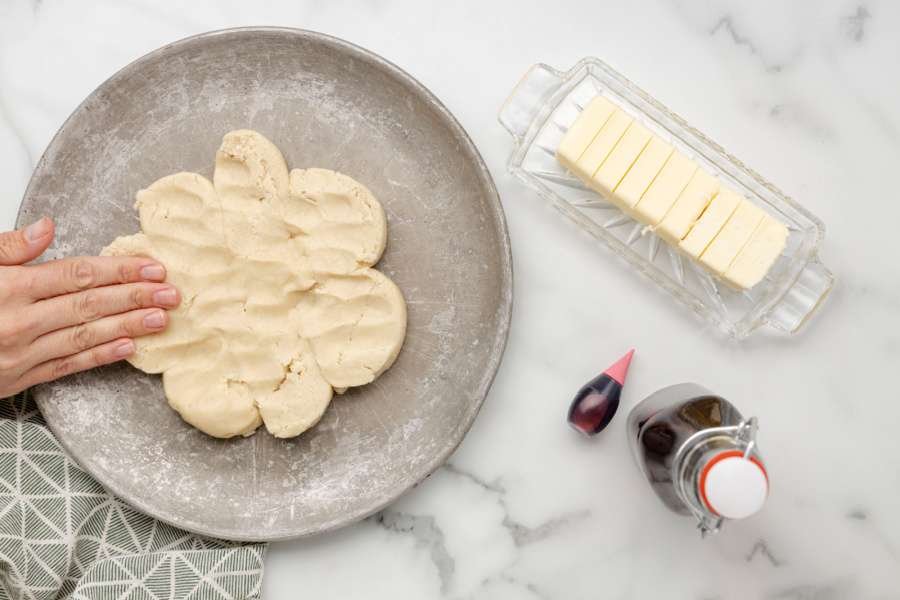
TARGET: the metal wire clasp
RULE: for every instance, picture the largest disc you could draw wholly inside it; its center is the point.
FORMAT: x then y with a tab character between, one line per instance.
746	434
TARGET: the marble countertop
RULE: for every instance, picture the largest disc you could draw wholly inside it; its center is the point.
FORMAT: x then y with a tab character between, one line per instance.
806	93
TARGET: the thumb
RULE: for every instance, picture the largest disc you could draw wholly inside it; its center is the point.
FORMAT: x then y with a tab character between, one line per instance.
19	247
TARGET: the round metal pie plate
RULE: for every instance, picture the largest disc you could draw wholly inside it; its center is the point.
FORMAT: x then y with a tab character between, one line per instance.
324	103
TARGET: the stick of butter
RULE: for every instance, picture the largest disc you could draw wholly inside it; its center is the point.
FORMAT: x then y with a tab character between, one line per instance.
665	189
710	223
733	236
758	255
688	208
583	130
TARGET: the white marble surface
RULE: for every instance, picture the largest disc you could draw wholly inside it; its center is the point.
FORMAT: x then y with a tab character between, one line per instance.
807	93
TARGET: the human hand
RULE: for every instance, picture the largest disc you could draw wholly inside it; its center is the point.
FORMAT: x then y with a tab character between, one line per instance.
73	314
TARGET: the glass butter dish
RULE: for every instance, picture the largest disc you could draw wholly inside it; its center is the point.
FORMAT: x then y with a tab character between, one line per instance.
542	107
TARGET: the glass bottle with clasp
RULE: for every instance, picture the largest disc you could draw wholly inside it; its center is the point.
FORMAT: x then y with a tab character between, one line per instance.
699	455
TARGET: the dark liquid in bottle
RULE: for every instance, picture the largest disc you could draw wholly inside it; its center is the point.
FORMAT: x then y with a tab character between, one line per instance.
658	428
595	405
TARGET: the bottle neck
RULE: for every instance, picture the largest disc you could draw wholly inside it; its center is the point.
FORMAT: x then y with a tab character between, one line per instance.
703	449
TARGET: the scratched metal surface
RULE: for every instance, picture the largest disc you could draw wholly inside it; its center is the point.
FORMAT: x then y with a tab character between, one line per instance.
324	103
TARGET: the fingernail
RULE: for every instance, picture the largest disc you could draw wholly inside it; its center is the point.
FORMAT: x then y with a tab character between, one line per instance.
166	297
37	230
124	349
153	272
155	320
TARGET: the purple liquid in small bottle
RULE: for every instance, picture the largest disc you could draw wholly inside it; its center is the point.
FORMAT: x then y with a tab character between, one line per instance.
595	405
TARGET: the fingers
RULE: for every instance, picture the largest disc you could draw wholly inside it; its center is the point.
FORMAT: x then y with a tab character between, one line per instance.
73	340
69	275
91	305
20	247
105	354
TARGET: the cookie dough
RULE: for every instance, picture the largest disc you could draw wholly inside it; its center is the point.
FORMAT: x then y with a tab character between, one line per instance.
280	303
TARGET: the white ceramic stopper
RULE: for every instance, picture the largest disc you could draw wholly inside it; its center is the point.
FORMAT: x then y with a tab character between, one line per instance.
735	487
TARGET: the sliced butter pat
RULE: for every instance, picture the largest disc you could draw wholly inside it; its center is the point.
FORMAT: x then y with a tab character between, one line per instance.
643	172
602	145
733	236
665	189
688	208
757	257
620	160
710	223
583	130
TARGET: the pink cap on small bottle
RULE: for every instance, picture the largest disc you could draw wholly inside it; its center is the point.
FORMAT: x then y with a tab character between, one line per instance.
619	370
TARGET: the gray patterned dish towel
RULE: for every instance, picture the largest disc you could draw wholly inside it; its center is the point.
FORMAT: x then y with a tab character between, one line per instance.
63	536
